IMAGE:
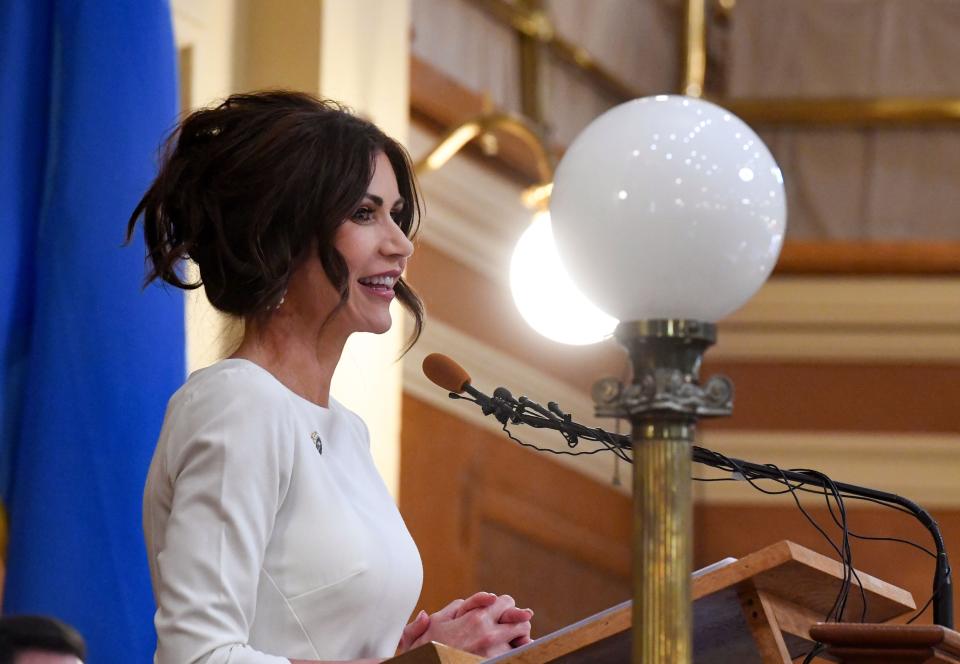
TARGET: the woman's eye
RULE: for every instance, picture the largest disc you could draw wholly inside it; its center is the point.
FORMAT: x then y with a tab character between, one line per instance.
362	214
397	215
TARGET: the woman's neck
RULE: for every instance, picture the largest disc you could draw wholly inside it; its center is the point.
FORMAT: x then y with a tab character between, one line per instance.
303	361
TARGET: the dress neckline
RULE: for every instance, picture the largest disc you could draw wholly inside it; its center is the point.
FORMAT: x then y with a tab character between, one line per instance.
242	361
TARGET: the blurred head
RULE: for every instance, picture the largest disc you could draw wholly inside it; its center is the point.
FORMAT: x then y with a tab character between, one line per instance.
39	640
265	185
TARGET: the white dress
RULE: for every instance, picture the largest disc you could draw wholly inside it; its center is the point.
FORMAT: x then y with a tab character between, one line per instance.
269	531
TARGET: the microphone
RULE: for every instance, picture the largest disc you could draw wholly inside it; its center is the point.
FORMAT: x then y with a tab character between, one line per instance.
446	373
449	375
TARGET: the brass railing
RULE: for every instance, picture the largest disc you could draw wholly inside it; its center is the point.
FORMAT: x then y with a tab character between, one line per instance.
482	127
533	23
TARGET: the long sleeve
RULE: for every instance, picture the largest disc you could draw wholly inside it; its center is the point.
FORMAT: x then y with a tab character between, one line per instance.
224	465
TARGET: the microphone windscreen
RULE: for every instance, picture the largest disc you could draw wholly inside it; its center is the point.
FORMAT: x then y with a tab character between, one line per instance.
445	372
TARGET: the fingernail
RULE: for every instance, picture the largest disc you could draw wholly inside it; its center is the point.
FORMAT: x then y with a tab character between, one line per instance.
422	614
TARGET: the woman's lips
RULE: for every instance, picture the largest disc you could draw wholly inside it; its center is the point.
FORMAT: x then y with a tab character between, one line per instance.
382	292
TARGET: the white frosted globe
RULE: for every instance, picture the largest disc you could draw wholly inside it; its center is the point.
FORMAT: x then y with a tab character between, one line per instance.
668	207
546	296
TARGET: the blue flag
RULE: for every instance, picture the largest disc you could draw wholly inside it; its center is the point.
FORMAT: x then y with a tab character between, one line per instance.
88	358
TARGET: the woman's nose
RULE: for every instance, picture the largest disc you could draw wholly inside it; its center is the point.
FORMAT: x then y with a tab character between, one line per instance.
398	243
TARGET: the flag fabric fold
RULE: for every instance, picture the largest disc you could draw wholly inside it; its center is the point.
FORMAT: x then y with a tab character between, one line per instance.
89	358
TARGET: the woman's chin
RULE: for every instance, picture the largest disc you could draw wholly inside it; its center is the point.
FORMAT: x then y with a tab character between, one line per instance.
378	326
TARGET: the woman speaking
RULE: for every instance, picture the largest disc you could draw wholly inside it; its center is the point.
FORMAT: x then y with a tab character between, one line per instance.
271	537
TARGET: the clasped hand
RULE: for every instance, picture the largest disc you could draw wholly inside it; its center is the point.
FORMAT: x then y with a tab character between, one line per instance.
483	624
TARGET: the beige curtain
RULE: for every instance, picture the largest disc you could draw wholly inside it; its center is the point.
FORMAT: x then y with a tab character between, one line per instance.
894	183
635	39
467	45
843	183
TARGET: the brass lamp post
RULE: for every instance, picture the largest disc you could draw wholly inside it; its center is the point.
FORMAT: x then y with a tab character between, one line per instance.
669	214
663	403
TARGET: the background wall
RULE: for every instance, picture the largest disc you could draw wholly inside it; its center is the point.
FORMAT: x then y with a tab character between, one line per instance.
854	375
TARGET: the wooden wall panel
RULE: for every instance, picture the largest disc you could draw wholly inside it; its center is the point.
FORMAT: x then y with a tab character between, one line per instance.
490	515
563	589
842	396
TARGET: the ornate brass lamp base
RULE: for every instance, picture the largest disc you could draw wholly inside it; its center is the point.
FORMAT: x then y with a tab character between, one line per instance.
663	401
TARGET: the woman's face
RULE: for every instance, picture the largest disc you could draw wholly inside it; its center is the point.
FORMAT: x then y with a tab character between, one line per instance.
375	250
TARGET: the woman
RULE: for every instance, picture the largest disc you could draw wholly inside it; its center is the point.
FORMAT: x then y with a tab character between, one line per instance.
270	533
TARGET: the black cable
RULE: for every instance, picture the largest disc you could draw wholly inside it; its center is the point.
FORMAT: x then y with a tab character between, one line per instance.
841	508
816	650
820	491
885	504
547	449
942	610
922	609
873	538
794	481
844	554
839	601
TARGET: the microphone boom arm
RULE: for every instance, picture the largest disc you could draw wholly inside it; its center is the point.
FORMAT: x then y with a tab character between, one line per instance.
507	409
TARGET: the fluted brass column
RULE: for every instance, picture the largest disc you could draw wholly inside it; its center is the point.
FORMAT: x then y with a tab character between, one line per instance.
662	536
663	401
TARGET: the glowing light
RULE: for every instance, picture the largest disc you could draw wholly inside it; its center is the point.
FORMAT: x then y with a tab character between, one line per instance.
546	296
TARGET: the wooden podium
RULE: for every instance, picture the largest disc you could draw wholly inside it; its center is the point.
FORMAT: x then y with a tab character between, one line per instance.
852	643
759	609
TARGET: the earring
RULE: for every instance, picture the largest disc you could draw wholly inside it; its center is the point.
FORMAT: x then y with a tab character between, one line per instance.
283	298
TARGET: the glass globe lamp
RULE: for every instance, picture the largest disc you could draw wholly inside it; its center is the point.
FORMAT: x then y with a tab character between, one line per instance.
668	207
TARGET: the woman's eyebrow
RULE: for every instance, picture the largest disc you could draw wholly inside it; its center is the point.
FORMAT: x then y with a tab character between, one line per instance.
378	201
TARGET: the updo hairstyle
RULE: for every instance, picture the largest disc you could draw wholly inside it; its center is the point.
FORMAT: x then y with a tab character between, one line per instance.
249	188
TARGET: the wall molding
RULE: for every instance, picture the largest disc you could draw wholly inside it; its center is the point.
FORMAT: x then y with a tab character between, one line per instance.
879	319
922	467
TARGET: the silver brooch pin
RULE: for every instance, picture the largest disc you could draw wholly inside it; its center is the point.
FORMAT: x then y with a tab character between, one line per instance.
317	442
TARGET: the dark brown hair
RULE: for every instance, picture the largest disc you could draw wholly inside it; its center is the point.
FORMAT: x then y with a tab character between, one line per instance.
44	633
247	188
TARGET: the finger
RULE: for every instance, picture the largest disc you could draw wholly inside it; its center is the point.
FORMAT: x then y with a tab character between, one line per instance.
418	626
518	632
502	637
516	615
449	612
521	641
476	601
503	603
422	640
414	631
